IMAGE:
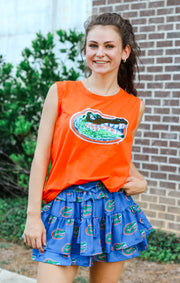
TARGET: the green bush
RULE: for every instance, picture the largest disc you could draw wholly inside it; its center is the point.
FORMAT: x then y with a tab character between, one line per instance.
163	247
12	218
21	100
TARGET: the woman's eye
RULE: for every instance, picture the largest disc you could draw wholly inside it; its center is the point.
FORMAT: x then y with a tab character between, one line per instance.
109	46
92	45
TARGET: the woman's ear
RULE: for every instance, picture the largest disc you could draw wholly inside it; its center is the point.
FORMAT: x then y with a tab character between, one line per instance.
126	52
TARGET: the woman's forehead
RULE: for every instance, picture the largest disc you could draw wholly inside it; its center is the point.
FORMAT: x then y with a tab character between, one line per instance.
109	33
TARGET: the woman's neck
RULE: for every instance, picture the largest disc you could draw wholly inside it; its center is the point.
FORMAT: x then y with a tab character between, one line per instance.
102	85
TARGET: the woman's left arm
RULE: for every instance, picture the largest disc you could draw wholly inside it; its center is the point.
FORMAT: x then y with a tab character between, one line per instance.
135	183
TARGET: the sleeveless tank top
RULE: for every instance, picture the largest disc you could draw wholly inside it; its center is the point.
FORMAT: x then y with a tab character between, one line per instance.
92	138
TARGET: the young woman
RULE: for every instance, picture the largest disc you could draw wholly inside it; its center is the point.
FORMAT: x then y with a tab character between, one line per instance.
87	129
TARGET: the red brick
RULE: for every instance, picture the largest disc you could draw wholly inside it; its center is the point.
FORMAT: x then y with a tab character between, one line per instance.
151	135
174	102
141	36
163	60
173	19
169	136
174	177
176	111
152	118
172	51
175	144
99	2
168	185
173	85
172	2
144	126
168	168
160	127
113	2
107	9
146	61
156	4
138	6
150	166
162	94
147	13
161	110
173	34
165	200
174	160
159	207
149	28
155	85
166	11
177	60
130	14
155	52
165	43
141	142
122	7
150	150
136	149
166	216
174	226
163	77
168	151
159	159
158	175
141	21
159	192
171	119
153	102
176	94
166	27
155	69
178	10
141	157
147	44
156	35
159	20
160	143
176	77
174	194
175	128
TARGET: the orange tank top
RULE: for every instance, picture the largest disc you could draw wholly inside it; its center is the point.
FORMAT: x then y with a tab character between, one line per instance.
92	138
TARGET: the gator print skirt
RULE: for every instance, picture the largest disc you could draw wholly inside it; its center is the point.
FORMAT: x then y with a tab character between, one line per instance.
87	223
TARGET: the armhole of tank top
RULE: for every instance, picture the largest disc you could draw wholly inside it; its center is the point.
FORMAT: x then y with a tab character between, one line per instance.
137	105
60	89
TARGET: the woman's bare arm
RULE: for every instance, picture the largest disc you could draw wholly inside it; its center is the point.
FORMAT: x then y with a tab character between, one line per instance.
34	233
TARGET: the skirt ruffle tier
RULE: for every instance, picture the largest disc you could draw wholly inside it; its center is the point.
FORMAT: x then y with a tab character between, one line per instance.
87	223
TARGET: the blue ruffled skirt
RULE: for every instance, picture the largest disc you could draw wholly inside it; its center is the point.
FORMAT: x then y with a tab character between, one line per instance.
87	223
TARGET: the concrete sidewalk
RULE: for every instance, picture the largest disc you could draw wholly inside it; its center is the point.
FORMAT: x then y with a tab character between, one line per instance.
11	277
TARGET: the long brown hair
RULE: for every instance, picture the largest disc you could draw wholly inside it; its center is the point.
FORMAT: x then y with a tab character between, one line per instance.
127	70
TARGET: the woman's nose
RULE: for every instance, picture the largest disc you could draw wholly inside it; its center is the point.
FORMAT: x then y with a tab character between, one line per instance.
100	51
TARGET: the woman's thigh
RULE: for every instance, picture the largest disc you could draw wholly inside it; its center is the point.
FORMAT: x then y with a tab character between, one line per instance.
106	272
48	273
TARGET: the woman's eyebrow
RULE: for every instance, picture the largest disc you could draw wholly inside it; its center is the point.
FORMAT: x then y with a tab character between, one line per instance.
109	41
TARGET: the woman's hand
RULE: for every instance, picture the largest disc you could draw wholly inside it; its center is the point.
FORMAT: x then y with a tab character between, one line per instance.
135	186
35	233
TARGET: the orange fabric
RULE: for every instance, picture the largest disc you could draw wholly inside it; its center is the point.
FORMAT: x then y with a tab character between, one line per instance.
92	138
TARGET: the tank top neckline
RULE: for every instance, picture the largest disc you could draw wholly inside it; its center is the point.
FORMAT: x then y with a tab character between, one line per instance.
94	95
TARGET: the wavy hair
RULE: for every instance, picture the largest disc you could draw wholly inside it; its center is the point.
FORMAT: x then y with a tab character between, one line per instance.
128	69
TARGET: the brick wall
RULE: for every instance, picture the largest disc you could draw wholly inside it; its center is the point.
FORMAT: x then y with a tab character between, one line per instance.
156	150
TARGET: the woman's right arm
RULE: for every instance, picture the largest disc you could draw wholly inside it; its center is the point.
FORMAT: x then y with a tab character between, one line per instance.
35	233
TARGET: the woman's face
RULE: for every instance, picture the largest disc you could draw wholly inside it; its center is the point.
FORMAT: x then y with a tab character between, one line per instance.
103	51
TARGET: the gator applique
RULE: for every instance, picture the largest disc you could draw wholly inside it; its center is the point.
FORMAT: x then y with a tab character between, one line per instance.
94	126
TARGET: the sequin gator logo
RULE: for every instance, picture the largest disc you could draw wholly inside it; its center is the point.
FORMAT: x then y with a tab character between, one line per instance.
94	126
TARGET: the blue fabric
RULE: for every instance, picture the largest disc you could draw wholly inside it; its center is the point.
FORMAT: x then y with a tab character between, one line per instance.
87	223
